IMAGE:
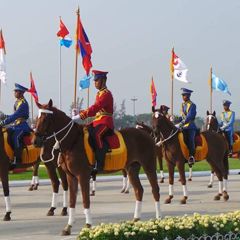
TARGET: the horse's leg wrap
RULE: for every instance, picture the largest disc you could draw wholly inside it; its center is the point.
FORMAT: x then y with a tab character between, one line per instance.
138	210
8	204
65	199
54	200
158	210
190	174
162	176
124	185
185	192
211	180
88	215
71	218
94	185
225	185
220	187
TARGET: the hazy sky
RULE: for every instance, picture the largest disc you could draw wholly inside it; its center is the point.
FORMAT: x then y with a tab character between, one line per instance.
132	39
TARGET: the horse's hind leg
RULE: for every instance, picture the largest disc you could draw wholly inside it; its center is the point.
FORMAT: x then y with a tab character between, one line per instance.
210	185
160	162
133	174
171	167
35	179
65	191
190	172
125	187
181	170
94	185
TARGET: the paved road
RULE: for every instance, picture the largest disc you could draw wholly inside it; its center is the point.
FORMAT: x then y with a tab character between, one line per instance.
29	208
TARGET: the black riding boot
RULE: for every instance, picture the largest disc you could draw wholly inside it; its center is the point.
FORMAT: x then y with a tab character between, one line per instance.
18	155
191	159
230	152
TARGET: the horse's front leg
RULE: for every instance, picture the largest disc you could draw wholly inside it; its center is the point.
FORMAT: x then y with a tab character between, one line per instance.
170	167
210	185
181	170
190	172
73	188
35	179
94	185
125	187
160	162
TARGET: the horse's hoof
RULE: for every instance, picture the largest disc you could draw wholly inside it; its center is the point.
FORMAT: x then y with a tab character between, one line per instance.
87	225
183	200
217	197
51	211
64	212
7	216
161	180
210	185
36	186
92	193
66	231
168	200
189	179
122	190
126	191
225	196
135	220
31	187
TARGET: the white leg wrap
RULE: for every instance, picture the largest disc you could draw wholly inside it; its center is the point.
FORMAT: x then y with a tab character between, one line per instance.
158	210
33	180
211	178
125	179
128	184
190	172
94	185
162	174
37	180
88	215
220	184
54	200
138	209
185	193
225	185
171	190
65	198
8	204
71	218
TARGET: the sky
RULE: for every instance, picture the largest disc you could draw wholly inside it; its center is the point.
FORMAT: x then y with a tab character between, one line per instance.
132	40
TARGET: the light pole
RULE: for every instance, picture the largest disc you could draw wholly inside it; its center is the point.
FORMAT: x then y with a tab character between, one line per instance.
134	100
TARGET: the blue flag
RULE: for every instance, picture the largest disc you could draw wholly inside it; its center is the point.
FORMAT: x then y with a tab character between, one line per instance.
84	82
219	85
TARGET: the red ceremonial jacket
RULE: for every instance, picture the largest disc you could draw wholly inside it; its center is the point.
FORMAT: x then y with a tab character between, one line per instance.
102	109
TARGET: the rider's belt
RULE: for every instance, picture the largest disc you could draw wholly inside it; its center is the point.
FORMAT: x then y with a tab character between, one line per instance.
21	120
103	114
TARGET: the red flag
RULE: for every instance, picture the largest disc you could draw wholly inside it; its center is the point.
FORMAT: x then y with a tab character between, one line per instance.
83	45
63	30
32	89
153	93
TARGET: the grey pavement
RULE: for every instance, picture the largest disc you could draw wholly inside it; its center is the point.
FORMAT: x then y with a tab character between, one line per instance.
29	220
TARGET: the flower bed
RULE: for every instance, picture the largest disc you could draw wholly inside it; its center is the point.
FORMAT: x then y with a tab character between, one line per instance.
223	226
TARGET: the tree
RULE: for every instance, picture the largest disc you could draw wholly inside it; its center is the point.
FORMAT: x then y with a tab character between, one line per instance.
122	110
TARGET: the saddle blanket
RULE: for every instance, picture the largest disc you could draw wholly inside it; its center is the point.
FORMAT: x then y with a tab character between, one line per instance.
236	142
117	156
201	151
28	156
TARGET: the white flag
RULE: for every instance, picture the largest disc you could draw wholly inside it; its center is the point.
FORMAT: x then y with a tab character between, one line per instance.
180	69
3	75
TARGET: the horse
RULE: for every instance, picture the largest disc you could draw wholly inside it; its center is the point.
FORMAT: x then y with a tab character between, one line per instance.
159	152
51	168
216	154
212	125
140	152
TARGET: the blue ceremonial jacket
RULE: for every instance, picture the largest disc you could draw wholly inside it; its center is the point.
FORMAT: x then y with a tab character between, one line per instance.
20	116
227	120
188	112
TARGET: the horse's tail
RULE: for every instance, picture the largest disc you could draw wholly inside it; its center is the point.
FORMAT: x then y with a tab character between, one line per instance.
225	161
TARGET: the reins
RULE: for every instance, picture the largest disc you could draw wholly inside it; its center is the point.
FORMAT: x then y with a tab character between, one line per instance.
159	143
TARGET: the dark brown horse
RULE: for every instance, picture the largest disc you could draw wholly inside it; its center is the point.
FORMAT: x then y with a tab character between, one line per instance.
212	125
140	152
51	168
216	155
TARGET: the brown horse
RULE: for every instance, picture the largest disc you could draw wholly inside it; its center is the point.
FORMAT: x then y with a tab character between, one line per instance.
51	168
216	155
212	125
140	152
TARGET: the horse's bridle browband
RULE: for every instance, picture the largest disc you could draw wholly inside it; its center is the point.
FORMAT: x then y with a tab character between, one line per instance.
209	122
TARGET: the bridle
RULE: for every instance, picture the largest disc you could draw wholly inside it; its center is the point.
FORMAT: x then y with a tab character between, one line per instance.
138	126
209	117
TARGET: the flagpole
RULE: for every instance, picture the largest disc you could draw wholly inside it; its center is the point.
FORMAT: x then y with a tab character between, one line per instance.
88	91
0	94
210	82
172	82
76	63
31	108
60	78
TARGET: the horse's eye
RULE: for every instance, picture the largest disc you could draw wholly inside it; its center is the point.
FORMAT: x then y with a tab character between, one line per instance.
156	114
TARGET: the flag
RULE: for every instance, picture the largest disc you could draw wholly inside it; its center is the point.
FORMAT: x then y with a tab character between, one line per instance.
179	69
219	85
153	93
63	35
32	89
84	82
3	76
83	45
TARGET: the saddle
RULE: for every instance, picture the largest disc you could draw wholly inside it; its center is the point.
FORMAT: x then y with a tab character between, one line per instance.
116	157
236	142
201	149
29	154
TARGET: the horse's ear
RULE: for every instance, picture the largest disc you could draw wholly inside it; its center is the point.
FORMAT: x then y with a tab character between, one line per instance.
214	113
160	110
50	103
38	105
153	109
207	112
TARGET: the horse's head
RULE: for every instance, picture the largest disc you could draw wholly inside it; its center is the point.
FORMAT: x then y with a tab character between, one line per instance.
211	122
43	124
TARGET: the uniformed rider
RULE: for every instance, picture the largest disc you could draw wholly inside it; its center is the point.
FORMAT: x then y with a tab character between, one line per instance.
226	124
102	125
165	112
188	114
18	124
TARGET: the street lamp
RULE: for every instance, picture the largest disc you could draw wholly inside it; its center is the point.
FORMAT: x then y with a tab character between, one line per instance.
134	100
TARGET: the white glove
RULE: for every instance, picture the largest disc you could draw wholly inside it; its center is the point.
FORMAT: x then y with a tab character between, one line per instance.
75	118
75	112
2	116
171	118
222	128
178	126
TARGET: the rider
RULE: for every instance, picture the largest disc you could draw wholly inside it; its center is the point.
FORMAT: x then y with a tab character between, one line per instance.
226	124
102	125
165	112
188	114
19	125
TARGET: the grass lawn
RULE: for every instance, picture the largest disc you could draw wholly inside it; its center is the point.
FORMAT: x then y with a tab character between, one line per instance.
200	166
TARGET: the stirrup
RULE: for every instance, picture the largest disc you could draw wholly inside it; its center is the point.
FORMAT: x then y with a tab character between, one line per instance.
191	160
